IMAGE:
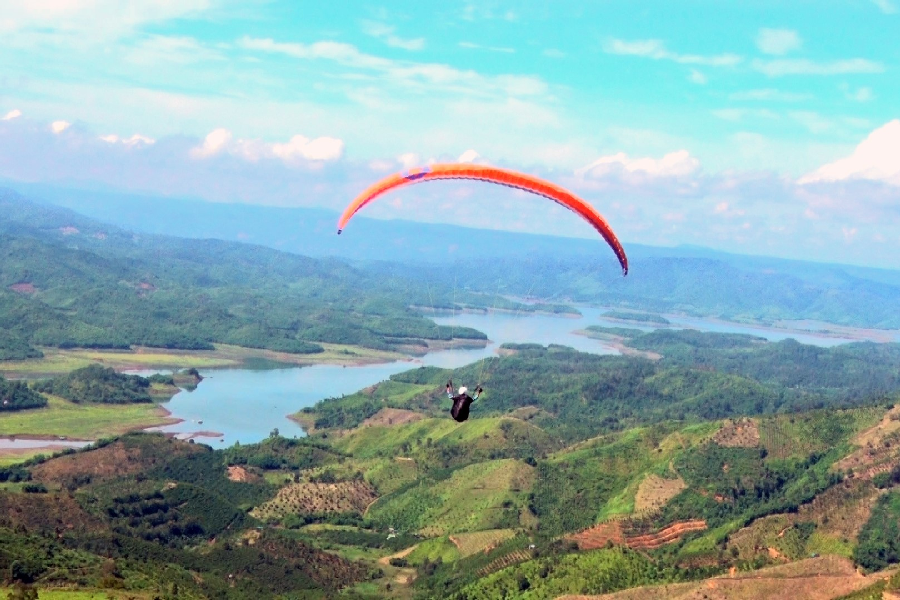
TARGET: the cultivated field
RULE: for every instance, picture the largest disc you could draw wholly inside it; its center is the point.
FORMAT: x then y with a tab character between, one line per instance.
740	433
479	541
387	417
317	498
654	492
823	578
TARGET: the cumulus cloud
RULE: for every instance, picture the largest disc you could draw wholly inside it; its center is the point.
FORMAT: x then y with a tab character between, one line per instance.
656	50
697	77
14	113
298	148
135	140
876	158
886	6
777	41
671	165
409	160
215	142
59	126
468	156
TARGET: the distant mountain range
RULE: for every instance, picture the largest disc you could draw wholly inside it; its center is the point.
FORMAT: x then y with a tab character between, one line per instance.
687	279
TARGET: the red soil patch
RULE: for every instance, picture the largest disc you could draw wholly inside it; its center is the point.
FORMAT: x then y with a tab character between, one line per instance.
23	288
236	473
600	535
387	417
741	433
664	536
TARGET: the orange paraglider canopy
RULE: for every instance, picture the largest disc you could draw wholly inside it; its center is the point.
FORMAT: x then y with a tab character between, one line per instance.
522	181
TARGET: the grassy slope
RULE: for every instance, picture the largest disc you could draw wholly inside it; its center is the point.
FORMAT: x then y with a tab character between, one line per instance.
82	421
471	499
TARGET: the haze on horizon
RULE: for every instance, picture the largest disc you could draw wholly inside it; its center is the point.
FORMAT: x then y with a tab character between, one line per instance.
772	130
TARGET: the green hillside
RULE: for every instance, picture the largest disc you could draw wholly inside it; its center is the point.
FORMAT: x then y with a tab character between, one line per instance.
66	281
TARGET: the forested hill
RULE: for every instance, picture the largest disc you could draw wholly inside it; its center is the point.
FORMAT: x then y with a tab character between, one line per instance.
694	280
696	285
67	280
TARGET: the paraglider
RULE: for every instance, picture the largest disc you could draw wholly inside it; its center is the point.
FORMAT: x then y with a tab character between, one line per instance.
461	401
507	177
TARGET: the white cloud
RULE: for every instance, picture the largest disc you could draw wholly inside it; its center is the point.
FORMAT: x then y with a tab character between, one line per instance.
386	34
93	20
215	142
697	77
671	165
298	148
886	6
135	140
769	94
425	77
13	114
409	160
553	53
656	50
876	158
777	41
59	126
801	66
156	50
468	156
474	46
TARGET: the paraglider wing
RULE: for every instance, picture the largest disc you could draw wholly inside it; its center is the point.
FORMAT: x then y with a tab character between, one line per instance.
514	179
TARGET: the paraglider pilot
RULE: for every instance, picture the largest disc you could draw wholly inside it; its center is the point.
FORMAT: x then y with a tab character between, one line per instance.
461	401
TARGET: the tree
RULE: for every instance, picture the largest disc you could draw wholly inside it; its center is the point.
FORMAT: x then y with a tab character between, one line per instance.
21	591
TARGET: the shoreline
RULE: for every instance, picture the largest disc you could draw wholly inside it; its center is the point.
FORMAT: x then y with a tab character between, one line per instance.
141	358
829	330
449	312
617	343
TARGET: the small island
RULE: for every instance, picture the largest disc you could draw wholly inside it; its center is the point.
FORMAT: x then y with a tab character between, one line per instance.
637	317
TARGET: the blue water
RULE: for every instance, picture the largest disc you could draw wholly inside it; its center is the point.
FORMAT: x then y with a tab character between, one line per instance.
246	405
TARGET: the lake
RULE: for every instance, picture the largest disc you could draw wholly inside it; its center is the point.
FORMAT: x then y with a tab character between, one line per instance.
246	405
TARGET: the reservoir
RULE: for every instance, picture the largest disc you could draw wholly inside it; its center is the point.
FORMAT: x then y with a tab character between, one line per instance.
246	405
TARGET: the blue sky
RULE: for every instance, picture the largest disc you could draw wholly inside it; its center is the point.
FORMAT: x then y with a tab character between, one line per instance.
763	127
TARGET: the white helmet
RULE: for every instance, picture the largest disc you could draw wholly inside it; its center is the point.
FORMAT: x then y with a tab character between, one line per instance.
463	390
